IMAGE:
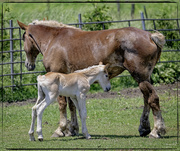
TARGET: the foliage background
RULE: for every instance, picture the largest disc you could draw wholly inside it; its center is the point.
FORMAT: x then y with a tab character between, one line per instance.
68	13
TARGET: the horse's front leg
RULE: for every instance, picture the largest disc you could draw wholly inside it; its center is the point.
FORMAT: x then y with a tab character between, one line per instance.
63	117
74	127
152	100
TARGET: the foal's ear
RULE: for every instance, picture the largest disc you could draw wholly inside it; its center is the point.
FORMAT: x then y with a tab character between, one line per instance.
22	26
100	63
106	66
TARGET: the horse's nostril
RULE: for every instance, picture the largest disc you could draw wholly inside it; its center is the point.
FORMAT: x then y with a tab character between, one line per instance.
108	88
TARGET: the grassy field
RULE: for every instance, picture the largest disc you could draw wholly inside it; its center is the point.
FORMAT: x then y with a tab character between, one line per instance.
112	123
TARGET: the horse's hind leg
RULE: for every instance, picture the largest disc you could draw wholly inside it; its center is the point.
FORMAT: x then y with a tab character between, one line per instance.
151	98
74	127
141	68
144	127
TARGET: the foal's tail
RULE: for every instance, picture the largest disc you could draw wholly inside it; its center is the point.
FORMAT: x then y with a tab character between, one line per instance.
41	93
159	39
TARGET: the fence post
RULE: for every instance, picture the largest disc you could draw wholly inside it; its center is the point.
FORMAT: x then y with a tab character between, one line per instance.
80	22
143	21
11	51
145	12
118	8
132	11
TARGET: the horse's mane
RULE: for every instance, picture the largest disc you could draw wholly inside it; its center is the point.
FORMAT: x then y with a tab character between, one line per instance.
91	70
51	23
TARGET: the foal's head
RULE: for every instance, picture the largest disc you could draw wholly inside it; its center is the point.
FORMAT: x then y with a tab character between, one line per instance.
103	78
98	73
30	47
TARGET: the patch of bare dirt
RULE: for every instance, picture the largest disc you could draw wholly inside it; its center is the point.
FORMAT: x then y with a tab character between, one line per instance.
171	89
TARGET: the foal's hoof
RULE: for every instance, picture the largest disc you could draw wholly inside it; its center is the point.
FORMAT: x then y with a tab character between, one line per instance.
40	139
32	140
89	137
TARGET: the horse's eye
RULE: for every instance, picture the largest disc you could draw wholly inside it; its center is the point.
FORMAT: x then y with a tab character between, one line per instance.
106	76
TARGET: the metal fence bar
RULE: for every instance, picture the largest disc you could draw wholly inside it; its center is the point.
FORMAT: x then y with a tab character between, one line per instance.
178	25
20	57
143	21
80	21
154	24
129	23
11	53
15	74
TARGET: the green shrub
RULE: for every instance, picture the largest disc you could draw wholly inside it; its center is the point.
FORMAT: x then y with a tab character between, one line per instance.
168	24
99	13
166	73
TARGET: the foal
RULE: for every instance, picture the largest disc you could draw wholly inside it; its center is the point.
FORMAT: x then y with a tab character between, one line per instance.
74	85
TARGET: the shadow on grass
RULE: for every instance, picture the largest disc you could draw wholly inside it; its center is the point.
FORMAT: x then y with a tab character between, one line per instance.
104	137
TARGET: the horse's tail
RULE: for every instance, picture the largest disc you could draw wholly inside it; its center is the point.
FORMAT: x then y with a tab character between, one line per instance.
158	38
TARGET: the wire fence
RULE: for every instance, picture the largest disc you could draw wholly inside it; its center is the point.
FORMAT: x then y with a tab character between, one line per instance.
17	52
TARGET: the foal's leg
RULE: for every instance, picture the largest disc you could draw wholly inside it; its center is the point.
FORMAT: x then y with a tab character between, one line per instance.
34	113
152	100
40	109
83	114
81	107
31	130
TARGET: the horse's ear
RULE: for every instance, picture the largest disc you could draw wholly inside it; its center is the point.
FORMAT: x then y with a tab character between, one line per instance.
106	66
22	26
100	63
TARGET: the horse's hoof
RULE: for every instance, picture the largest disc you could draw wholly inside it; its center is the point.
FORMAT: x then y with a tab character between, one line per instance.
144	132
155	136
58	135
68	134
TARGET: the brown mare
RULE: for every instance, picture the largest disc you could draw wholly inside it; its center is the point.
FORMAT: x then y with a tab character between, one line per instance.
66	49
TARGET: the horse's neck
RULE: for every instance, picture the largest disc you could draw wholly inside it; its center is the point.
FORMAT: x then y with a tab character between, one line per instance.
43	39
91	78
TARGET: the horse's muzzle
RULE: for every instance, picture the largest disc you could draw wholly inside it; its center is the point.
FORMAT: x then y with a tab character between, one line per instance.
107	89
30	67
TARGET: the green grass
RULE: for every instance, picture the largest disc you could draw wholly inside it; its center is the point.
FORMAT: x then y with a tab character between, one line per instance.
112	123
